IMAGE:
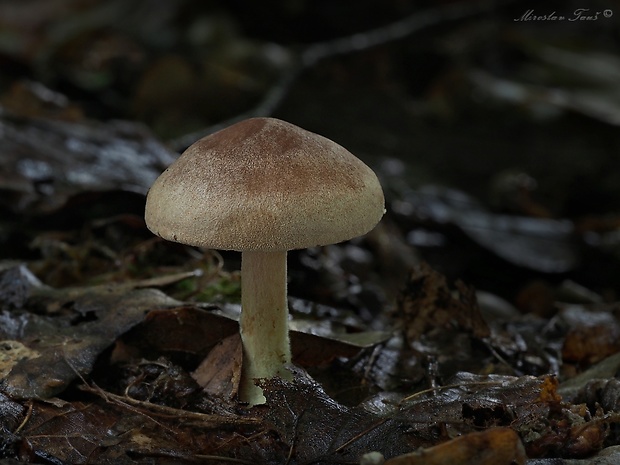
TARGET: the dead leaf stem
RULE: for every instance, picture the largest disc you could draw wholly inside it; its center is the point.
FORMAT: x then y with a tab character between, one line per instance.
448	386
163	411
26	418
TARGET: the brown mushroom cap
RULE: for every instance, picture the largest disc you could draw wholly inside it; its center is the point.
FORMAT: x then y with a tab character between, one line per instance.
264	185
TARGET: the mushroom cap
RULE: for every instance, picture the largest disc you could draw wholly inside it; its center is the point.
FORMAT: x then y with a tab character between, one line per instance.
264	185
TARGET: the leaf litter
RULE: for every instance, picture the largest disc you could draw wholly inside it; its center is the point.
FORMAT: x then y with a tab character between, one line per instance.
77	340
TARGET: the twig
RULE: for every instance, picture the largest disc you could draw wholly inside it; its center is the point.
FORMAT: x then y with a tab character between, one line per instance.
164	411
449	386
26	418
223	459
160	410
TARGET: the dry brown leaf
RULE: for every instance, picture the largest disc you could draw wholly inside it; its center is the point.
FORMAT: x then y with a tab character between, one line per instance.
428	303
219	373
588	345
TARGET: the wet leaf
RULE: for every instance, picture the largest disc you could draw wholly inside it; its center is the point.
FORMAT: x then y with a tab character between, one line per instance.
540	244
310	350
193	330
44	162
17	284
125	431
11	416
604	369
467	403
320	334
69	331
299	410
601	392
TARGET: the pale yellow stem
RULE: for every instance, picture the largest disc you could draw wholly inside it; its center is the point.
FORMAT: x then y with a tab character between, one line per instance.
264	321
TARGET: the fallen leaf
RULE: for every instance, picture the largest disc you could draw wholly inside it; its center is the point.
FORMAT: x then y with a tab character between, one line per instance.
592	333
73	328
585	346
604	369
43	162
219	373
540	244
495	446
318	429
393	425
429	303
180	331
123	431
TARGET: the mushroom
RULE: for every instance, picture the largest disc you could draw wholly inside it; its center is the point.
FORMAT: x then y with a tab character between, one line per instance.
262	187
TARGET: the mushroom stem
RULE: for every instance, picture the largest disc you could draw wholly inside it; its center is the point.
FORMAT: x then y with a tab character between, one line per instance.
264	321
